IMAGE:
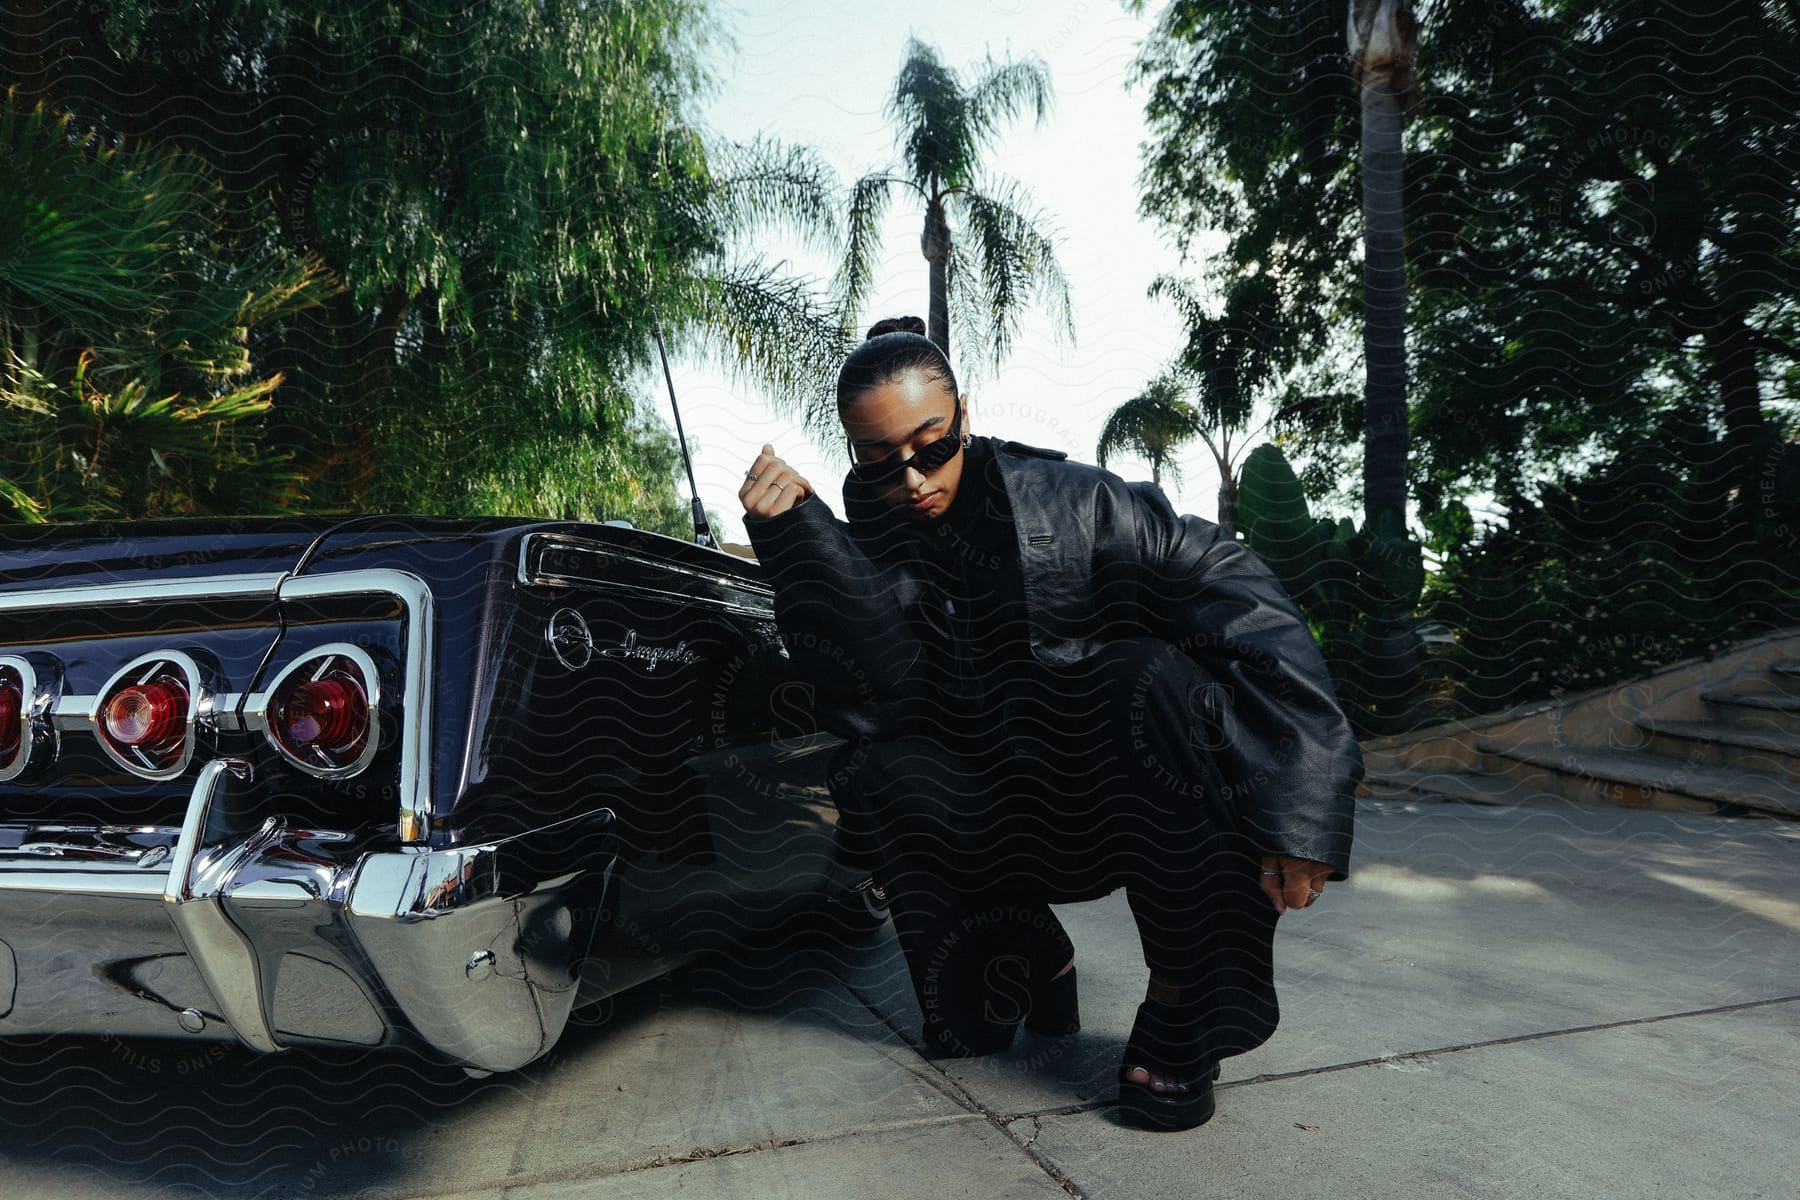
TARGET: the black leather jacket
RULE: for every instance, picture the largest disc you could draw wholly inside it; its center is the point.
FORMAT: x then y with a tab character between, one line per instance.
1102	559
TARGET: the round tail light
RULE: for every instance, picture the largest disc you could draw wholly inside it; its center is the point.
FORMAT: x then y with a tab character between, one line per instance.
28	696
321	712
329	714
12	714
150	716
146	713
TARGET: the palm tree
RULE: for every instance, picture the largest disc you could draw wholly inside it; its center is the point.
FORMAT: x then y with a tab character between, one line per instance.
997	253
1159	421
1383	45
1152	425
1211	390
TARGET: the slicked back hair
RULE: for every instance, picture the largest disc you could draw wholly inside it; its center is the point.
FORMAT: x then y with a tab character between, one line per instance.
893	346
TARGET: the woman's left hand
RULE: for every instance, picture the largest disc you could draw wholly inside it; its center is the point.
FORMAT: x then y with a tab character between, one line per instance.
1291	882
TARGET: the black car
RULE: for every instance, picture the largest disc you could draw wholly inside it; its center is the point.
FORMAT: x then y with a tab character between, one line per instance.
420	782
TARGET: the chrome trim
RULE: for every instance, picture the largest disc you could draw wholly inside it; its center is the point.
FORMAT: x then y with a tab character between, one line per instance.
255	714
64	713
415	691
241	981
39	696
89	879
228	909
76	712
477	950
539	578
201	707
138	591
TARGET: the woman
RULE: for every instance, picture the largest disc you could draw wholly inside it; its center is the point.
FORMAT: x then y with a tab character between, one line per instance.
1051	686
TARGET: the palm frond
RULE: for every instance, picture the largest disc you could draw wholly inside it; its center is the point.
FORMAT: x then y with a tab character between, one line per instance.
1017	259
1233	356
124	332
766	184
90	230
1007	90
766	326
930	112
855	277
1152	425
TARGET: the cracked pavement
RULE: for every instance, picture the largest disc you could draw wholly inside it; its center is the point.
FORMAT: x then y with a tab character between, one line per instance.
1499	1002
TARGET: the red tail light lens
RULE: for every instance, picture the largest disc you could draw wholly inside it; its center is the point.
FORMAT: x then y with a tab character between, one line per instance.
331	714
150	716
321	712
145	714
12	714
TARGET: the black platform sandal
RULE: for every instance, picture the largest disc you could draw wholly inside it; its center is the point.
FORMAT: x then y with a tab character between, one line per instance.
1055	1007
1052	1009
1166	1041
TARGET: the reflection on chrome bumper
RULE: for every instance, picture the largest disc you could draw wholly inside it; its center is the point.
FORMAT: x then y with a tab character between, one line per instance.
283	937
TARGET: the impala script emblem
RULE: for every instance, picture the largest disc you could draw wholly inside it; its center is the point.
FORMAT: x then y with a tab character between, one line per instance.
629	648
570	639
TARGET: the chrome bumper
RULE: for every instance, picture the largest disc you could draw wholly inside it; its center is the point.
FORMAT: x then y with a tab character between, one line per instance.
274	939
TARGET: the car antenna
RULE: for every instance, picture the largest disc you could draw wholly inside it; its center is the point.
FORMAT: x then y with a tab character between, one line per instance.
702	532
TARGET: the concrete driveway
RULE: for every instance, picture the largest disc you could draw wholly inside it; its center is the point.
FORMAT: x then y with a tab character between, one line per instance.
1526	1002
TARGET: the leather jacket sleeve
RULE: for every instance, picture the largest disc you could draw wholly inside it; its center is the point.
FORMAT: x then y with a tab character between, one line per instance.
843	623
1288	754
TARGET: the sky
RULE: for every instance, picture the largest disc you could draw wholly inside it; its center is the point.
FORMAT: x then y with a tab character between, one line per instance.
819	73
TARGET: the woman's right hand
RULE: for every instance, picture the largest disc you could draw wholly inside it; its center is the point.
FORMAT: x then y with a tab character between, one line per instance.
776	488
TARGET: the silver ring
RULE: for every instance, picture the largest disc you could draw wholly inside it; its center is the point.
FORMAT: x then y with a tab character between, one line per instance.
1313	893
1268	872
750	477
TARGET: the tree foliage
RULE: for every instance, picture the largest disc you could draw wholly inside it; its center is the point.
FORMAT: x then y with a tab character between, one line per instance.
508	193
1152	425
1599	198
126	383
1602	281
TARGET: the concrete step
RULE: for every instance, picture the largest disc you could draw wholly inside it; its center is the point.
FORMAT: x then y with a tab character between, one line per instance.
1717	744
1457	787
1635	779
1753	708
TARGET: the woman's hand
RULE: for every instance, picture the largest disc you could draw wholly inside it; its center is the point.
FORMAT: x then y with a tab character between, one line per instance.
1291	882
771	486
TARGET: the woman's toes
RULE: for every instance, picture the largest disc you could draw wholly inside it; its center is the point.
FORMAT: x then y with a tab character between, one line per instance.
1160	1084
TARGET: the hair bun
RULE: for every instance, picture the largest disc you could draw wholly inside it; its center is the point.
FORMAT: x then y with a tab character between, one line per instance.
896	325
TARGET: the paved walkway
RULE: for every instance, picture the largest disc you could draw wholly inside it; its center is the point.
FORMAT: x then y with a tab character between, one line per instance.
1536	1002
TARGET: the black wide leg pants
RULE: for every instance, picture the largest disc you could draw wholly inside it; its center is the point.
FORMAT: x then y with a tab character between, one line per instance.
1103	779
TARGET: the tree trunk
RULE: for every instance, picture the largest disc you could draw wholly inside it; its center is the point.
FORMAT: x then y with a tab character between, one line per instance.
935	244
1732	363
1228	502
1382	42
1384	301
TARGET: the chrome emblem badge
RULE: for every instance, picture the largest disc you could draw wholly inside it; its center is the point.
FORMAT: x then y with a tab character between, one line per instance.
629	647
570	639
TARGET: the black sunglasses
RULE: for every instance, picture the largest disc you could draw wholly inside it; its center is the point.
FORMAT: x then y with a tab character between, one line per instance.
927	459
